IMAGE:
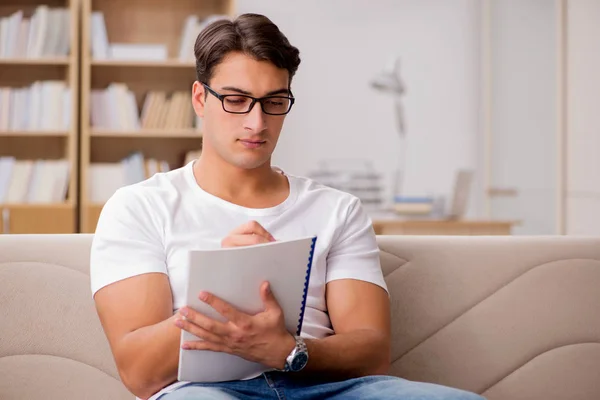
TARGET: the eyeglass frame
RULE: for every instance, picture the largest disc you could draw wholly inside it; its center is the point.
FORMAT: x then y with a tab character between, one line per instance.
255	100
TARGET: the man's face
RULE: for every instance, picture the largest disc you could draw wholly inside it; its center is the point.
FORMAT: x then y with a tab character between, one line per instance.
242	140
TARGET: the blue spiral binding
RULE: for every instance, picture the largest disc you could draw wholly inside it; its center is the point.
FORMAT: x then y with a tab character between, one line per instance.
310	260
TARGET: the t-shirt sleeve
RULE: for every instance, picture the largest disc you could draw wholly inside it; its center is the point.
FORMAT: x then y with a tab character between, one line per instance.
127	241
355	253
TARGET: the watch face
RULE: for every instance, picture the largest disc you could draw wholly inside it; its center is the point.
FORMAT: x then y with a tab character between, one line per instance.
299	361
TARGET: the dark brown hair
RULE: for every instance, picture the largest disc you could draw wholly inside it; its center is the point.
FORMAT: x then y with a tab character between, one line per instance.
252	34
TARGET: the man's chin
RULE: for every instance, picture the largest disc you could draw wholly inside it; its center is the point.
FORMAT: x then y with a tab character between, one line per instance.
250	163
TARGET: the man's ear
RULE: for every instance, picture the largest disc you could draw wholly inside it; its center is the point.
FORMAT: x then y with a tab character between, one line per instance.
198	98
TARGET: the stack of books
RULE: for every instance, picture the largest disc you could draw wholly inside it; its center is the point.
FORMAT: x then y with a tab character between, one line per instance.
33	181
116	108
105	178
161	111
45	105
45	34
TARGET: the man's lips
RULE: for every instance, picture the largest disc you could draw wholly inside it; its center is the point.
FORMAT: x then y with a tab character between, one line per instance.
252	144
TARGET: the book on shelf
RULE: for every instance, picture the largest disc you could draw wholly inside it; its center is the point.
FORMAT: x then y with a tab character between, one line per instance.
104	178
138	52
413	205
45	105
115	108
191	29
103	49
99	36
33	181
45	34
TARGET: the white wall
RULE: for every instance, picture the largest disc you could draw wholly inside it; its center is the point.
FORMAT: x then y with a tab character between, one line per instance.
583	197
343	44
523	49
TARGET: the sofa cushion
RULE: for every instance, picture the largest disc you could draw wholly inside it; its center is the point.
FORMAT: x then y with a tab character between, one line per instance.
38	376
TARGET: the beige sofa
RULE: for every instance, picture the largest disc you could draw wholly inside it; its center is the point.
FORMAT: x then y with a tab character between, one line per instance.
509	317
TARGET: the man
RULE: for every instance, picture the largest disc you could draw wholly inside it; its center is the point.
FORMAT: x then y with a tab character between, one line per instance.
232	196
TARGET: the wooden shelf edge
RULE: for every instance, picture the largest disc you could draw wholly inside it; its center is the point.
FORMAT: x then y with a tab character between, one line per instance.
65	205
34	133
172	63
93	205
36	61
148	133
438	222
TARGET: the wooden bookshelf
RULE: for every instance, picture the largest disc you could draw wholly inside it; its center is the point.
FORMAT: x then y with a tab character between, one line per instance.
18	72
136	22
38	218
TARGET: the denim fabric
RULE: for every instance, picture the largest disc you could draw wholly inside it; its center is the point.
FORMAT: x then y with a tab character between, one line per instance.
281	386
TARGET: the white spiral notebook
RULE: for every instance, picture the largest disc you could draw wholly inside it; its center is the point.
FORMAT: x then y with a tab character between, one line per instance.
235	275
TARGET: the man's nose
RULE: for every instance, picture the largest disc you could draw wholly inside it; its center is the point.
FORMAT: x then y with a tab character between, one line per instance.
255	119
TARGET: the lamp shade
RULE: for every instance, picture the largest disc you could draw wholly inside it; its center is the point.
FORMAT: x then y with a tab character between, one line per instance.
388	80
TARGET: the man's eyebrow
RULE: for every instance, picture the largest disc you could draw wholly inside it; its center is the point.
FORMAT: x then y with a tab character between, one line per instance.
241	91
234	89
279	91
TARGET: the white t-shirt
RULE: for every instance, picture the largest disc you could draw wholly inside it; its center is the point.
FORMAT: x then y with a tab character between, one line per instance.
149	227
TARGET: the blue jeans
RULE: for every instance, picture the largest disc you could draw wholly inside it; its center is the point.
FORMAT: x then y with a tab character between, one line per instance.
282	386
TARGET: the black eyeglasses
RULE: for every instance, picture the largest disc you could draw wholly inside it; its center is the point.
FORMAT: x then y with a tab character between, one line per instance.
242	104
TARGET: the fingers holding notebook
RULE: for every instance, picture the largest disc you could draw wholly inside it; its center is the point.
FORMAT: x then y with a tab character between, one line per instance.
248	234
261	338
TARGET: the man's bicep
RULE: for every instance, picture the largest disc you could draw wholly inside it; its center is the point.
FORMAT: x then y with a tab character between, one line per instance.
133	303
127	241
354	305
356	295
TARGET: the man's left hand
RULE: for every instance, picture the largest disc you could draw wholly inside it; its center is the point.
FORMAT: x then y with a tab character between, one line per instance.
260	338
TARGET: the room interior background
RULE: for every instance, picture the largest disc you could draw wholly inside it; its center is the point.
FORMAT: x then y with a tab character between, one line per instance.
505	89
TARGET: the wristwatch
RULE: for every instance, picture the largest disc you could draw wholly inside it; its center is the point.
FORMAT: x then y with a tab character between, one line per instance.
298	358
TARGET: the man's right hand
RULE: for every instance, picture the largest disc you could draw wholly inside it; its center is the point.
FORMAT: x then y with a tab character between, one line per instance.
247	234
260	338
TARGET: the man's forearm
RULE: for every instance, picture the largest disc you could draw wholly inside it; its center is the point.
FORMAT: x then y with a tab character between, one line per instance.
148	358
348	355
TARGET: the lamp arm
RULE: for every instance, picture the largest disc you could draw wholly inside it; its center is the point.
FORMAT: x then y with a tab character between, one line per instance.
400	117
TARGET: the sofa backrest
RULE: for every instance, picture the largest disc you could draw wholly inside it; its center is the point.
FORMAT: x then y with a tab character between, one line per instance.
509	317
51	342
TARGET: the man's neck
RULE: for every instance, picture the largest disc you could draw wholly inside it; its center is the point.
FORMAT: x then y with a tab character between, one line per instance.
260	187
